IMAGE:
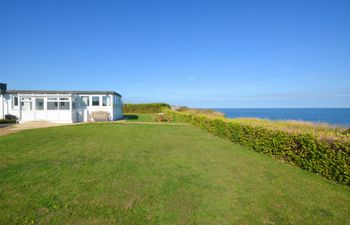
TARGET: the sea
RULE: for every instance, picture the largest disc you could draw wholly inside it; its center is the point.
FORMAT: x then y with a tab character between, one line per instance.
333	116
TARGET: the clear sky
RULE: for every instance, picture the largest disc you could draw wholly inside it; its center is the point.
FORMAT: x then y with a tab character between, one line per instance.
196	53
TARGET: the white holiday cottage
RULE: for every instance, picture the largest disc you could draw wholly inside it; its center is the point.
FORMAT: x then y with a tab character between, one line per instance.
59	106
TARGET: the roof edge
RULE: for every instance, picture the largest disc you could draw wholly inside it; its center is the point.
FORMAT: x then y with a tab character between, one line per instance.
59	92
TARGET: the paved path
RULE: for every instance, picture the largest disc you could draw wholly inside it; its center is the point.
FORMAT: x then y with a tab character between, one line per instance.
12	128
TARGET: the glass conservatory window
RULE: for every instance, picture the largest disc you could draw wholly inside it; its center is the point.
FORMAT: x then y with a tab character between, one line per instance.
105	101
95	101
39	104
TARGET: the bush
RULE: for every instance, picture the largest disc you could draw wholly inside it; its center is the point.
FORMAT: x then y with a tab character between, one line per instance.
162	117
9	119
320	151
182	108
2	121
347	131
208	112
145	108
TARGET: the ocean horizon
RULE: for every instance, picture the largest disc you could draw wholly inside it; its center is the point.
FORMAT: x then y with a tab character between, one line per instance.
333	116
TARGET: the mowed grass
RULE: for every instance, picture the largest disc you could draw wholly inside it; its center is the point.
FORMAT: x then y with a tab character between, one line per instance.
132	117
144	117
155	174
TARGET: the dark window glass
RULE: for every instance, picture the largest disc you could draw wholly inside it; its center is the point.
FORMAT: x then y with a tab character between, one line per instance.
95	101
39	104
52	105
15	101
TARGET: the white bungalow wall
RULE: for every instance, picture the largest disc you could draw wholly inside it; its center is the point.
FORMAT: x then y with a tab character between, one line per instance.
77	112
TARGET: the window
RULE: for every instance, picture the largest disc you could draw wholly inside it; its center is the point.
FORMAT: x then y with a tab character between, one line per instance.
15	101
39	104
52	104
64	105
75	103
86	100
105	101
26	104
115	102
95	101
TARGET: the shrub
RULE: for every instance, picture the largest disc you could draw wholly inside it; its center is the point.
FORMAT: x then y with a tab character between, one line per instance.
145	108
208	112
182	108
320	150
9	119
161	117
347	131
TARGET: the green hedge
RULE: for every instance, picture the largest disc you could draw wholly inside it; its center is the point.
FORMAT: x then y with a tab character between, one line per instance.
7	121
322	154
145	108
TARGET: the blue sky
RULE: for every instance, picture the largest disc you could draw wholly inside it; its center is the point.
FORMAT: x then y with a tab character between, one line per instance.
196	53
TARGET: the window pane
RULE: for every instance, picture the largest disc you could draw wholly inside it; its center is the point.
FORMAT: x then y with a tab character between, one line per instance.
95	101
75	103
105	100
64	99
115	100
52	105
39	104
64	105
86	100
52	99
26	105
15	101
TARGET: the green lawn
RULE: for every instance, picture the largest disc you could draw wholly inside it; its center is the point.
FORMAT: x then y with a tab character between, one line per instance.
155	174
139	117
144	117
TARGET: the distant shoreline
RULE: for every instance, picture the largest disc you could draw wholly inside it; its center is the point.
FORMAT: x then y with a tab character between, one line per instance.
332	116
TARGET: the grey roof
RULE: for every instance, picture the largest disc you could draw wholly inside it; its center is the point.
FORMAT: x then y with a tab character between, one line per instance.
62	92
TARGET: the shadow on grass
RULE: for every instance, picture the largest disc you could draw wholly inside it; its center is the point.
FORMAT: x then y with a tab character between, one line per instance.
4	125
131	117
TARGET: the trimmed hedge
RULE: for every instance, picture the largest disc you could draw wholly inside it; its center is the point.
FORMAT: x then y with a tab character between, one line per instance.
7	121
328	156
145	108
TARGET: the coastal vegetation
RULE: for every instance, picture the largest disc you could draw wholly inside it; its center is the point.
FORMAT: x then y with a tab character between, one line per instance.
319	148
148	117
145	108
125	173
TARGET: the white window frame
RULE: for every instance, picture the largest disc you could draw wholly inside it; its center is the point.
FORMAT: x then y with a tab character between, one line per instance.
65	100
108	100
52	99
26	100
35	106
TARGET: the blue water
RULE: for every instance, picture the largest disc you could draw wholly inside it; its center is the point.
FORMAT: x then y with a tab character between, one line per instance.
334	116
